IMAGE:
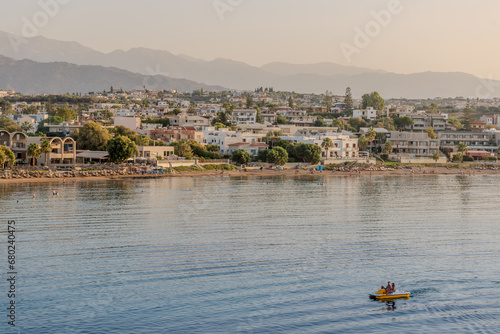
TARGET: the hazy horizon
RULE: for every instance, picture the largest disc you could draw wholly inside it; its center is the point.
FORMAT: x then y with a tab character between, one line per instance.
402	36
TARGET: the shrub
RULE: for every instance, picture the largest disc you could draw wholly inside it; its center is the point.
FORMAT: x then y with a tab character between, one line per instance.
468	158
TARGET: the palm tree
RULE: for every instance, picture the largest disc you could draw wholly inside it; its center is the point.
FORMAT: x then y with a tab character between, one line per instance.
462	147
25	126
46	148
34	151
370	135
327	144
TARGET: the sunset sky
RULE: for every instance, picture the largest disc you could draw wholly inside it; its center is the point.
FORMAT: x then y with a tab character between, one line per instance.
423	35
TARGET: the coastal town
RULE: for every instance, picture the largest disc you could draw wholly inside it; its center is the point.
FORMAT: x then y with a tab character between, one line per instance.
116	132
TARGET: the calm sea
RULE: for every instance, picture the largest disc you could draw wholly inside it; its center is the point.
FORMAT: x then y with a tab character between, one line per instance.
270	255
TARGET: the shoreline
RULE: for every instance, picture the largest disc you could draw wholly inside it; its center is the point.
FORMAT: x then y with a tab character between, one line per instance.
425	171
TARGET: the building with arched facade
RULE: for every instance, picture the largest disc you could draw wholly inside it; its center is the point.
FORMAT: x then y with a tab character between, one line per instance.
17	142
63	150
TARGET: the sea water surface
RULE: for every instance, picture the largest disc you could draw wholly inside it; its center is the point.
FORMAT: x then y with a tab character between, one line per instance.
254	255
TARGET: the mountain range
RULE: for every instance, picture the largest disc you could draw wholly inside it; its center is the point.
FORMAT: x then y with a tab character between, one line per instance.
139	66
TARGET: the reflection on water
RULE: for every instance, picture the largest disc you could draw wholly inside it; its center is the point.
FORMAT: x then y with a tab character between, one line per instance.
262	255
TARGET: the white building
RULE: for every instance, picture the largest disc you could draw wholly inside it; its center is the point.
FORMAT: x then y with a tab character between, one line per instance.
244	116
131	122
224	138
344	146
252	148
368	113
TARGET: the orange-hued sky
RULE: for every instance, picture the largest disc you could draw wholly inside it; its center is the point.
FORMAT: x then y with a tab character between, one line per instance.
417	36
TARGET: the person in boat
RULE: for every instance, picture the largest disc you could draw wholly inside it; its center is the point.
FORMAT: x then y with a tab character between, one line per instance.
393	287
388	288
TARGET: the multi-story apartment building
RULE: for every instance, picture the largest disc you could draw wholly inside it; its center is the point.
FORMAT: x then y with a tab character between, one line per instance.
224	138
369	113
244	116
298	117
198	122
452	139
425	121
413	143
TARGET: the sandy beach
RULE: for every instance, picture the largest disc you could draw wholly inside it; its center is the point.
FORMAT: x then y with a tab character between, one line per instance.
415	172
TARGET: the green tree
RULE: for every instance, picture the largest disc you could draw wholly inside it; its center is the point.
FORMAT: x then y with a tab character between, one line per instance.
120	130
386	123
46	148
241	156
388	147
182	148
92	136
219	125
280	119
165	122
348	100
142	140
327	144
467	117
328	101
435	156
455	122
458	157
6	107
249	101
282	143
278	156
357	123
373	100
258	117
9	125
290	102
30	110
33	152
7	157
192	108
340	124
431	133
380	138
308	153
66	113
462	147
25	126
121	148
362	143
402	122
262	155
320	123
50	120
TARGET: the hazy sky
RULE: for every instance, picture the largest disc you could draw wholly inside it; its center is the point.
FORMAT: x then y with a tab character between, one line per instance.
419	35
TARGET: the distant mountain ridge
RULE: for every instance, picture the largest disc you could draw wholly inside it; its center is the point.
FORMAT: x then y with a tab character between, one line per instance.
306	78
31	77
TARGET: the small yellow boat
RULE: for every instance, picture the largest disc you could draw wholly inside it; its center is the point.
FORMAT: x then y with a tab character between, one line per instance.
381	295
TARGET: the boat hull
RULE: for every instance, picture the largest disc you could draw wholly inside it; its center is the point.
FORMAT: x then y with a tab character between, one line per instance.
390	296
